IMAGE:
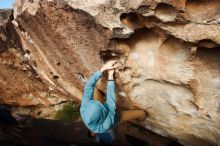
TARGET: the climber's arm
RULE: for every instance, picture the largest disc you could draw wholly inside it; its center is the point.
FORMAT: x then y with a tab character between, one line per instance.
90	85
111	98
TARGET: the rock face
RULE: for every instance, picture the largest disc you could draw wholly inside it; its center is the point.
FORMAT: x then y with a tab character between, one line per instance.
20	85
70	37
6	41
169	50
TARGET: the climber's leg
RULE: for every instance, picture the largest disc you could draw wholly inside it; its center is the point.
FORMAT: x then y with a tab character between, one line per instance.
131	115
99	95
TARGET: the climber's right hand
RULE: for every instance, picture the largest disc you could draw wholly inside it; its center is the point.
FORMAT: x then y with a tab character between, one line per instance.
109	65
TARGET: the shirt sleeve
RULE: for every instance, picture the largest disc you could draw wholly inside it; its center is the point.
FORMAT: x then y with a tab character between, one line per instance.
111	98
89	87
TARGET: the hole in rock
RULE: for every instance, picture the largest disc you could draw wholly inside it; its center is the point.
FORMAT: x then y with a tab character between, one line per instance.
165	12
21	28
110	55
55	77
58	64
210	57
143	9
206	43
208	116
38	113
27	51
132	20
203	10
143	38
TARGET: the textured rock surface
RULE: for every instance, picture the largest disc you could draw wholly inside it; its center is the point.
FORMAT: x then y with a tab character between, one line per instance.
6	40
169	49
70	37
179	89
20	85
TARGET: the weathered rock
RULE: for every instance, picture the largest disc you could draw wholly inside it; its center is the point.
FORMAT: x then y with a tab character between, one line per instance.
38	111
203	11
6	40
64	35
5	15
165	12
171	64
174	86
19	83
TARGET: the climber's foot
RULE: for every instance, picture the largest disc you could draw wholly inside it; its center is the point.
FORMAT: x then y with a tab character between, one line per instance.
145	114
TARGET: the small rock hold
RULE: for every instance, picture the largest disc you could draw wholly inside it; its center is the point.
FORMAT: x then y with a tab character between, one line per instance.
26	55
55	77
51	88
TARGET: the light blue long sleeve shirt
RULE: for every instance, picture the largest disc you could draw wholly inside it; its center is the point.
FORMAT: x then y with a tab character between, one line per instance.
98	117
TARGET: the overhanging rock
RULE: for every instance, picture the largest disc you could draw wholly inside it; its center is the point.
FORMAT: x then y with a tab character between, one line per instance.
170	60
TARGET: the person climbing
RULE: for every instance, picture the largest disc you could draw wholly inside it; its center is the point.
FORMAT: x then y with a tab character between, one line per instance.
99	113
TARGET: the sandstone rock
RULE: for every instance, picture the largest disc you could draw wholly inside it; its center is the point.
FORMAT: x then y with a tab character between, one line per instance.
19	83
67	39
5	15
170	57
5	39
195	32
174	87
43	112
203	11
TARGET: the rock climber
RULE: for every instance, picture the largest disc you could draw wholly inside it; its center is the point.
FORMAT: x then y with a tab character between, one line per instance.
99	113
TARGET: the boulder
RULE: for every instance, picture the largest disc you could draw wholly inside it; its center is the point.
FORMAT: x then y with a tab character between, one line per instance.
169	51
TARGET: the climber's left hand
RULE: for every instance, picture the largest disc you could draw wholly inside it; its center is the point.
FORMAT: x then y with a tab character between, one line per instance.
109	65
